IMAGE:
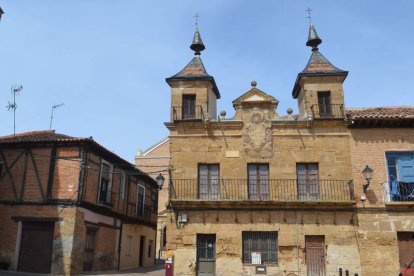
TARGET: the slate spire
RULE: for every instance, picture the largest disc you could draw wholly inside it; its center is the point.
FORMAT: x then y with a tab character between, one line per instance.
313	38
197	46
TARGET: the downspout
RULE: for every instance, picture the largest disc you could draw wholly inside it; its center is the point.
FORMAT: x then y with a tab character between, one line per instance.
297	241
119	246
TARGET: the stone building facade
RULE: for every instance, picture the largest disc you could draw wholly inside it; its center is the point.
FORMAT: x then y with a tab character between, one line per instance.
261	193
69	205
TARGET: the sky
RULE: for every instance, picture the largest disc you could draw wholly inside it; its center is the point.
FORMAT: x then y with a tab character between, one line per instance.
107	60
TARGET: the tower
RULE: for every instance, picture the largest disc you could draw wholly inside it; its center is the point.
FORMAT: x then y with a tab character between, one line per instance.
194	92
318	87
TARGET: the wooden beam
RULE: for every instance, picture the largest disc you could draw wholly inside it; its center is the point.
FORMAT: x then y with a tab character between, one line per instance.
26	157
13	185
51	176
37	174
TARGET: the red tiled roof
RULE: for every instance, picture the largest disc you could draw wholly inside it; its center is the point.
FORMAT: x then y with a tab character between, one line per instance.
391	112
38	136
319	64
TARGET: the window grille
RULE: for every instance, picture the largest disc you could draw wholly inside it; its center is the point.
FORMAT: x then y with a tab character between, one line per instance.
263	244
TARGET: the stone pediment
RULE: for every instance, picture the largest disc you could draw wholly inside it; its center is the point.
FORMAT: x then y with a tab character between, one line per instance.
255	95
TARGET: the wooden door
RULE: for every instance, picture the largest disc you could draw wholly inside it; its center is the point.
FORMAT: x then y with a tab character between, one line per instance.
206	255
405	247
324	103
36	247
89	247
308	183
258	178
315	255
141	250
189	108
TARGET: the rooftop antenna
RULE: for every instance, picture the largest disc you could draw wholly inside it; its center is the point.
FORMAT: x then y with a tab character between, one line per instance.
15	90
309	15
51	115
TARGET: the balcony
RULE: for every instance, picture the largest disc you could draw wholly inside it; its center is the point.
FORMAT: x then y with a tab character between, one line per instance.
333	111
275	190
145	213
192	113
398	191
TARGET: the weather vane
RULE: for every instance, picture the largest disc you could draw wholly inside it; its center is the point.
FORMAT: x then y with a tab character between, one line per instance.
15	90
196	19
309	15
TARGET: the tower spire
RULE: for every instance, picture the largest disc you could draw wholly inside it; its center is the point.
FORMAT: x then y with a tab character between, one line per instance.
313	38
197	46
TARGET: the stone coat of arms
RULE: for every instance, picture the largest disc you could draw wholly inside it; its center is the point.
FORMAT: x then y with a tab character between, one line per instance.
257	138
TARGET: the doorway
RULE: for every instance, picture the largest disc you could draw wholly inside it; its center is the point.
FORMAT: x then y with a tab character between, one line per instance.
141	250
206	254
315	255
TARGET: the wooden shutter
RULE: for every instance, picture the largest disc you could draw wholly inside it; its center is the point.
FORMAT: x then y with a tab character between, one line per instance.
405	165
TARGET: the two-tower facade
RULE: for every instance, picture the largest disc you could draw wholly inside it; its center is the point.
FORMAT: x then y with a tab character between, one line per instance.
263	193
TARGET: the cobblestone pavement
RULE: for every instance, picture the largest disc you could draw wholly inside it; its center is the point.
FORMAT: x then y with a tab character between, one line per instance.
156	270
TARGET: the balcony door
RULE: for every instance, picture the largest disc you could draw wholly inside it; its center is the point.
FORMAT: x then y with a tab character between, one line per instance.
308	184
189	107
258	181
208	181
324	102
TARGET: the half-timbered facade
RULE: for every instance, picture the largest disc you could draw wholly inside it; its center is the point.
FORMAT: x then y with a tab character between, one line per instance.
69	205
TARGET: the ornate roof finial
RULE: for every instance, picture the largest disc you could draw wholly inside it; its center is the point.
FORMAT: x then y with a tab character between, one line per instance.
313	38
197	46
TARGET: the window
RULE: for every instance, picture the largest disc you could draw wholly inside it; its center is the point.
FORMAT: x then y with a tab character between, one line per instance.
105	185
400	167
150	248
208	181
189	108
140	200
324	102
122	185
308	184
128	245
259	247
258	178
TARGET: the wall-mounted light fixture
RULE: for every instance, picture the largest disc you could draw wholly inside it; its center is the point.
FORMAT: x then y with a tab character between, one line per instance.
160	181
367	172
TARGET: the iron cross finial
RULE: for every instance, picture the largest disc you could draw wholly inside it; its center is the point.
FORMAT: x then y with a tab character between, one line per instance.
196	19
309	14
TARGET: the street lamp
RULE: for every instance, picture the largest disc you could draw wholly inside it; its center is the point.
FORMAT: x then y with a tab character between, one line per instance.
367	172
160	181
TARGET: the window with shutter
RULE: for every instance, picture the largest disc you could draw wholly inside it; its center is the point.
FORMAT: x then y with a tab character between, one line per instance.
208	181
189	107
307	181
258	181
324	103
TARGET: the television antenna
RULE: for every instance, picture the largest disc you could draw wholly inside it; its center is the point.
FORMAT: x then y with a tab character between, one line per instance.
51	115
15	90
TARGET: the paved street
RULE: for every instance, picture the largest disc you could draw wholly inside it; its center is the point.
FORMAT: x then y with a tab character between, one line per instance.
157	270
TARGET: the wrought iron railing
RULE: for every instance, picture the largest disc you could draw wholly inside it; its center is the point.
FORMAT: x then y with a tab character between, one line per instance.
398	191
262	190
328	111
187	114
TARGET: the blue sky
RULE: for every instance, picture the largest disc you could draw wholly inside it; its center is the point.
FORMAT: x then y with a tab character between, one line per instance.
108	60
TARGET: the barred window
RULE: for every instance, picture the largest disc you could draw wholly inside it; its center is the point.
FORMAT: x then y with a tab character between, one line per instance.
259	247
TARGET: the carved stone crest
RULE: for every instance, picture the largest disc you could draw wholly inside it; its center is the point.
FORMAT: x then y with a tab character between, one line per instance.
257	138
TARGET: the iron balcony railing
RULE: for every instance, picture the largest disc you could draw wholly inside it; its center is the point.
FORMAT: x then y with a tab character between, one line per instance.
145	212
187	113
395	191
262	190
328	111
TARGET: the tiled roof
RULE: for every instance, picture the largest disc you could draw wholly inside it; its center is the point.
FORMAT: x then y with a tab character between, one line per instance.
44	136
194	69
392	112
319	64
38	136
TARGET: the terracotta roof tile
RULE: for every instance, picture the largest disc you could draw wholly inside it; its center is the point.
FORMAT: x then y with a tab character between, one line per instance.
38	136
194	69
391	112
319	64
